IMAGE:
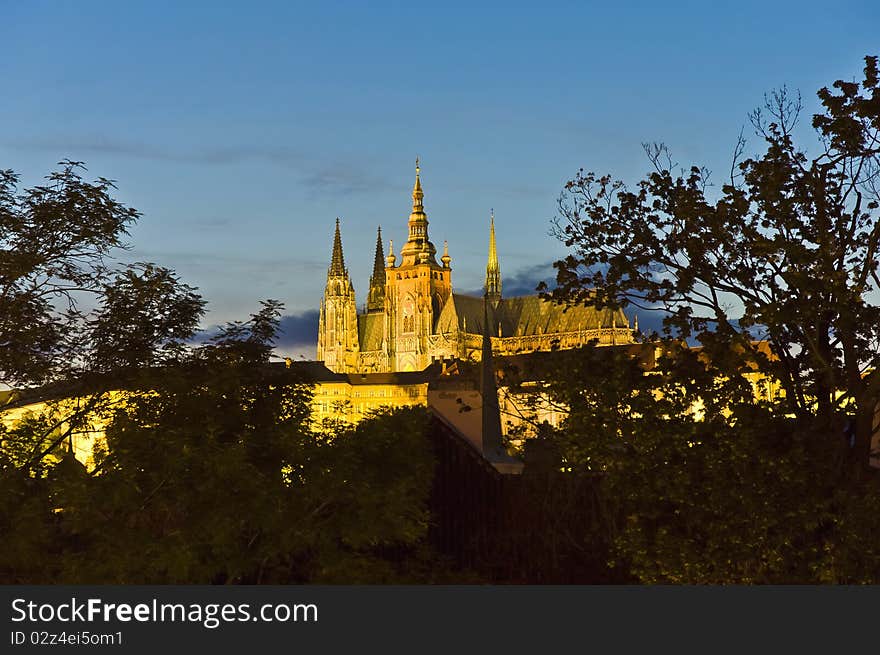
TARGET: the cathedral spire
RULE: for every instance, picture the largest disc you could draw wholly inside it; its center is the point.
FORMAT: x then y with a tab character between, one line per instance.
418	249
337	263
379	261
418	195
493	270
376	295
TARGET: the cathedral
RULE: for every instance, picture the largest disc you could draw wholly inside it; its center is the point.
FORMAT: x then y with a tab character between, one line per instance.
413	317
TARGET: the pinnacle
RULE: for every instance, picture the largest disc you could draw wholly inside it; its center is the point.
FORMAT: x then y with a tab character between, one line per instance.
379	263
337	263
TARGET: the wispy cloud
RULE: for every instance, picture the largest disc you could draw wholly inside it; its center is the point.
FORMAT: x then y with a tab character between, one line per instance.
213	222
199	155
212	260
316	174
341	180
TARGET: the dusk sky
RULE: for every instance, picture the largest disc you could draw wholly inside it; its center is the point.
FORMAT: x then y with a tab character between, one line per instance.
241	131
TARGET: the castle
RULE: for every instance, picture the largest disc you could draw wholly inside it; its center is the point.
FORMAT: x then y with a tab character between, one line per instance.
413	317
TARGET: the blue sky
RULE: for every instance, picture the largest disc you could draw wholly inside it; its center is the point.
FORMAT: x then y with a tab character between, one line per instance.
241	131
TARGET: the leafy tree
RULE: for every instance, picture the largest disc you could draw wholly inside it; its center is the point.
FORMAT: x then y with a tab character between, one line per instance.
212	474
786	251
211	471
56	247
73	322
704	483
698	485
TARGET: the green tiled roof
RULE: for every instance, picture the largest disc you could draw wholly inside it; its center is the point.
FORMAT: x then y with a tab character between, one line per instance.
523	316
370	328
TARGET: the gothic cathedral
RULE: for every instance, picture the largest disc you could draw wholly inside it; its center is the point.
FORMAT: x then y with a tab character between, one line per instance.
412	316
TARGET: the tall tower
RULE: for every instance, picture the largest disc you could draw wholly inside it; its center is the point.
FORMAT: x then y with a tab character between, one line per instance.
493	270
418	249
376	295
337	324
416	290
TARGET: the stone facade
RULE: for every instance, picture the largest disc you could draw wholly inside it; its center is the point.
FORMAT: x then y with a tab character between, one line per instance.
413	318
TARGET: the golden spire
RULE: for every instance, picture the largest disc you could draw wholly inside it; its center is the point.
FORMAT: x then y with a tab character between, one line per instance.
493	270
418	249
417	194
493	252
446	258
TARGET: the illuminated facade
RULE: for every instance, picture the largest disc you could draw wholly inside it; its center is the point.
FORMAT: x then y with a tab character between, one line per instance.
83	429
413	318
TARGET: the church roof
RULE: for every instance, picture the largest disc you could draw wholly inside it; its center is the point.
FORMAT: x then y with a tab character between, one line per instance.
523	316
370	328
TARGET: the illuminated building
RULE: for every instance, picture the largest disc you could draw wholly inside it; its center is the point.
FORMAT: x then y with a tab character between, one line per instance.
413	317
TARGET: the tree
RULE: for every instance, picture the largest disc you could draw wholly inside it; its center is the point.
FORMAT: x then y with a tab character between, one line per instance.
56	241
703	482
787	251
211	471
212	474
72	317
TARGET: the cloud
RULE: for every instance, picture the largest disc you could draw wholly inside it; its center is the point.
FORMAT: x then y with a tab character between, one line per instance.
297	334
524	281
299	330
650	320
316	175
215	155
342	180
234	264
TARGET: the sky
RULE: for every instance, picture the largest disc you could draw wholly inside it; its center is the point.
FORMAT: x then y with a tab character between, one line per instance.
242	130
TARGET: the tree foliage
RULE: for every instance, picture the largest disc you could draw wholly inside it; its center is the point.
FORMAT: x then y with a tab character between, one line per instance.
787	252
709	482
64	301
211	471
212	474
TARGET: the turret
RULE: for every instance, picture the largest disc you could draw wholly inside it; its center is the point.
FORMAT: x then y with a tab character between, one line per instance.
391	258
337	323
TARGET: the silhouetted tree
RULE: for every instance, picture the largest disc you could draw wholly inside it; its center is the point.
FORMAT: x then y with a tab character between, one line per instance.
71	316
211	471
713	485
56	247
